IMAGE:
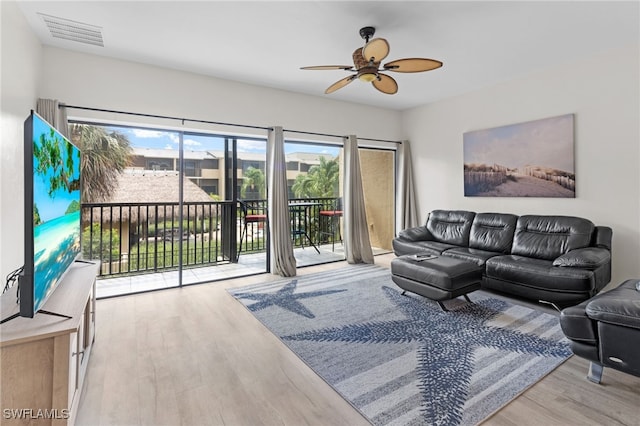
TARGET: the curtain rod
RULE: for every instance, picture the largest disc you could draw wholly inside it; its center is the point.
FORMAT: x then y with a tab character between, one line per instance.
166	117
338	136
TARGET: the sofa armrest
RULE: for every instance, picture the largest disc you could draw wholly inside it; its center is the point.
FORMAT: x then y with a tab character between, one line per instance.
577	326
586	258
418	233
620	306
602	237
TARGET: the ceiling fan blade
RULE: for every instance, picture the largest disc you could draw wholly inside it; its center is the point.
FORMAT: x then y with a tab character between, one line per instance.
339	84
376	49
412	65
329	67
385	84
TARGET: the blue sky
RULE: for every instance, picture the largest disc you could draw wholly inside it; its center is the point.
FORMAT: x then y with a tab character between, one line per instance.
158	139
56	206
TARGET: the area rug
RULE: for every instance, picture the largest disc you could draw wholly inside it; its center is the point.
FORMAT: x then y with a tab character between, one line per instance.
399	359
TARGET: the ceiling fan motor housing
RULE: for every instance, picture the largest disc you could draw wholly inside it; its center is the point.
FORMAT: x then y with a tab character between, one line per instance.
364	68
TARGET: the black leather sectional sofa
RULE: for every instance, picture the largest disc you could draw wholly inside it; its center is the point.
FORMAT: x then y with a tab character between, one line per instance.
562	260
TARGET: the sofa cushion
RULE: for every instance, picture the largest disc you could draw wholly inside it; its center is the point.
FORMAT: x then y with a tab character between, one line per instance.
418	233
476	256
493	232
547	237
402	247
450	226
539	274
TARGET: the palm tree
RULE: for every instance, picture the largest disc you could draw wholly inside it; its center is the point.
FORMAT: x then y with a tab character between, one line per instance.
104	156
321	181
253	184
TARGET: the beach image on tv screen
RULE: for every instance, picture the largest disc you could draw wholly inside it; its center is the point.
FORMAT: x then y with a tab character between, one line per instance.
56	207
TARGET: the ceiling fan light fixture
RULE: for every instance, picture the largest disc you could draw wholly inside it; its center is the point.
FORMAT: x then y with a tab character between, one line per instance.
367	77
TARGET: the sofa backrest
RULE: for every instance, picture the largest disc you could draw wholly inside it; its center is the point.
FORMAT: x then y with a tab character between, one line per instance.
493	232
450	226
547	237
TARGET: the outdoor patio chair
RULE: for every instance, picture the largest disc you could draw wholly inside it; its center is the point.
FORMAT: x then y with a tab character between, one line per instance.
330	222
254	215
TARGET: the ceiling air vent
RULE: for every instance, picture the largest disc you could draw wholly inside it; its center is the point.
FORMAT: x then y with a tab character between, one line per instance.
72	30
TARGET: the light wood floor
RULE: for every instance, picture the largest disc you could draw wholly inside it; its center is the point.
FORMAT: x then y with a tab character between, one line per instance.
195	356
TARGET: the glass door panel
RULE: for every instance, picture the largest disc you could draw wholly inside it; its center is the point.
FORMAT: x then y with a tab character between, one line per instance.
130	182
203	207
314	183
219	245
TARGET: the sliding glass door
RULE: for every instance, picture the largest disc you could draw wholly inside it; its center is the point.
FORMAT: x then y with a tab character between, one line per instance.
163	208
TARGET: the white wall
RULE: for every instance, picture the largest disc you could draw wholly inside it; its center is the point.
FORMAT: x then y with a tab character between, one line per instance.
604	94
20	75
95	81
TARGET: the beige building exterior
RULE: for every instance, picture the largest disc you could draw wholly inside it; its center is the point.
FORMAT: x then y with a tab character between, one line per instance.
206	170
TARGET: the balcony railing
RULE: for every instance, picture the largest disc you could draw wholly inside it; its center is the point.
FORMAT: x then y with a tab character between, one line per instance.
149	237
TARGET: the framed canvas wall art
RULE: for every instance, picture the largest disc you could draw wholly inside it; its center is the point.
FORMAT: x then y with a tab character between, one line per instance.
530	159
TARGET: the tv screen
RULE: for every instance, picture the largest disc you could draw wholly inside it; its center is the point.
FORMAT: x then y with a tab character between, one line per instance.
52	211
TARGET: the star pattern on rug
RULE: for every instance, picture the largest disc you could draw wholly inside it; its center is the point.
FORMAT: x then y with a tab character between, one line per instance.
445	365
285	298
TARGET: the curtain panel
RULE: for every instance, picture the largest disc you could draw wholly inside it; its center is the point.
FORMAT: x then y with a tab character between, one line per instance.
50	110
356	232
282	261
406	206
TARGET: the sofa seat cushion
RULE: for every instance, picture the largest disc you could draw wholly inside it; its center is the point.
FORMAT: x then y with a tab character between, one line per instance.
402	247
476	256
539	274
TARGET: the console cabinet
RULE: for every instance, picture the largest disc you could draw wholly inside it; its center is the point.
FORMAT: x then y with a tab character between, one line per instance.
44	359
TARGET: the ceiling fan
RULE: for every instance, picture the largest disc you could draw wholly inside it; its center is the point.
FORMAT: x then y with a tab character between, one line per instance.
366	67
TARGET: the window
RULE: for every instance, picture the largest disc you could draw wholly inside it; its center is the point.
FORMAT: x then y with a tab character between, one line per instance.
190	168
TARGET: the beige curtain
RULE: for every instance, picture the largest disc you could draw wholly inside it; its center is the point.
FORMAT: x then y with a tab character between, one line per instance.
406	207
57	117
282	261
356	232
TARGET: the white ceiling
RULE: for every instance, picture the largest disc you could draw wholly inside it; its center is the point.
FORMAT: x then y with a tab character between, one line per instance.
266	42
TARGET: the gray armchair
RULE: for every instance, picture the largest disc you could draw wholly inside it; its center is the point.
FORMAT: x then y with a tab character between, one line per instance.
606	330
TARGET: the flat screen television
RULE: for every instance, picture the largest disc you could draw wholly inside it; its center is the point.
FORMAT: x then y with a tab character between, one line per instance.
52	212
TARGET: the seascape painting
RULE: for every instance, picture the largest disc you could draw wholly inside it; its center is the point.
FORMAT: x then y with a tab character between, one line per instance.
531	159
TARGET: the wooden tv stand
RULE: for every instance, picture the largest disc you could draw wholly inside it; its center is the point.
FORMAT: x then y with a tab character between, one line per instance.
44	359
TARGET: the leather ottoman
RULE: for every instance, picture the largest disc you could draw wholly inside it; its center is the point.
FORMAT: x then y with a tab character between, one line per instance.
437	278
